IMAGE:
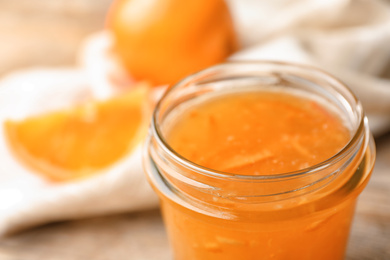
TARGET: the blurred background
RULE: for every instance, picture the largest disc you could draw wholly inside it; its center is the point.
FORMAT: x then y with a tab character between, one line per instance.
49	32
46	32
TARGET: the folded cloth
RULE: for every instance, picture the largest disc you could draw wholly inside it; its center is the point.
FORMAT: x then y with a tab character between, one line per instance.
349	38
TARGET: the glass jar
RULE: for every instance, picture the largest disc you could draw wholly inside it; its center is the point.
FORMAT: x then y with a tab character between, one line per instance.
304	214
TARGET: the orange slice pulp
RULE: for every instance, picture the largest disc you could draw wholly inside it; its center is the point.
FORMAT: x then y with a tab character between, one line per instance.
78	142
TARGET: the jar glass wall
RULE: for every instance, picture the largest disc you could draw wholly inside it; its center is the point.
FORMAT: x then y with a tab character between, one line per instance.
303	214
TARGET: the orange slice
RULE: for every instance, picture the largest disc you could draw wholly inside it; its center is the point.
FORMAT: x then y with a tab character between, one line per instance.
78	142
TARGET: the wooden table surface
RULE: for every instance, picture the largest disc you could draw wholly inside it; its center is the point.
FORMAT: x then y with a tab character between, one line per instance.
31	37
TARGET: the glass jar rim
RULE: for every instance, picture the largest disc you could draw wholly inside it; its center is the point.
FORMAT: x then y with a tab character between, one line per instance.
158	136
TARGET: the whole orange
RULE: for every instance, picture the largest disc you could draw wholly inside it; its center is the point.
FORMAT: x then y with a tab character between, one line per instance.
164	40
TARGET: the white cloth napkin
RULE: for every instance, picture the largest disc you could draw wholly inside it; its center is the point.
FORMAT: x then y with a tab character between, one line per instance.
349	38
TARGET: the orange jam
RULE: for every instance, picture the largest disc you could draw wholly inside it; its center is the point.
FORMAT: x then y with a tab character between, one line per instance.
247	168
258	133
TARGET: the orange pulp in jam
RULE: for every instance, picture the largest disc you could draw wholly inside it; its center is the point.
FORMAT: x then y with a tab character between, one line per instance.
258	133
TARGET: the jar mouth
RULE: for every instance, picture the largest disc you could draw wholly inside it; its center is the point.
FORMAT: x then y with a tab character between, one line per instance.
354	104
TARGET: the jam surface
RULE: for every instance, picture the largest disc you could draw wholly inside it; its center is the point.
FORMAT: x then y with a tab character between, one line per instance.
258	133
